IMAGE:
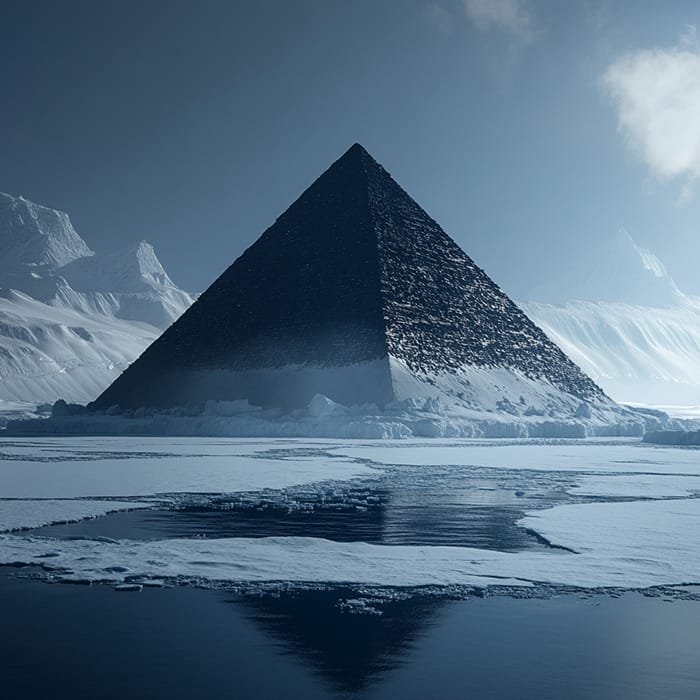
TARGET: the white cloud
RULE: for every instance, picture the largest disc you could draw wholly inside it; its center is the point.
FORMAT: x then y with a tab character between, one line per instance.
656	93
506	15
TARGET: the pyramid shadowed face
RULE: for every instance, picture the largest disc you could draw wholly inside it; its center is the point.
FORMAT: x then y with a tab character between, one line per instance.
355	293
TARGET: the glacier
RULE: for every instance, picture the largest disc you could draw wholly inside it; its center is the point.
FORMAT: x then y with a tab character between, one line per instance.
625	322
638	354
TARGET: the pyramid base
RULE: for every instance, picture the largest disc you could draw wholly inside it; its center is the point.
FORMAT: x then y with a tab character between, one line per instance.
384	400
287	387
325	419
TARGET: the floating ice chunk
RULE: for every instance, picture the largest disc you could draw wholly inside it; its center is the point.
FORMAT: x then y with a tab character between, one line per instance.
94	467
637	486
24	514
549	456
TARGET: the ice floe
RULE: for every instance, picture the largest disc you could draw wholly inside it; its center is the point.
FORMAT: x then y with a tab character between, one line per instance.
614	542
590	456
27	513
628	545
47	468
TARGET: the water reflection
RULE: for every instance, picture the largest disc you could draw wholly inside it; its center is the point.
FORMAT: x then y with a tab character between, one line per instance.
347	650
89	642
470	512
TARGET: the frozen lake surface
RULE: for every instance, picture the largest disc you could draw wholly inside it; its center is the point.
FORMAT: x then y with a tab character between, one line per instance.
589	514
385	569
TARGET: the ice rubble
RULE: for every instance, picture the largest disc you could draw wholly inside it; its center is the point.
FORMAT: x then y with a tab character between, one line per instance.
536	413
21	410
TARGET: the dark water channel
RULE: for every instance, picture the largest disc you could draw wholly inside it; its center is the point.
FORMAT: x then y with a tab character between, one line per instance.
409	510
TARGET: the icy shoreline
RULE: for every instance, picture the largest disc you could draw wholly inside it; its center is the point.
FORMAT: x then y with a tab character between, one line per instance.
323	418
611	545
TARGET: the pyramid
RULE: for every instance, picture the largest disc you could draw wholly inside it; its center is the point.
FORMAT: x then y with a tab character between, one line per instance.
355	293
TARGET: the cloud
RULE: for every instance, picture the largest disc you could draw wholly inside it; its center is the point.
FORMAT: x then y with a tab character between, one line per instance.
505	15
656	93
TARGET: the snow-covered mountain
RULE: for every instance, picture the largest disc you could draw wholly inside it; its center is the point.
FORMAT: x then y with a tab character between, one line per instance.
70	319
36	239
627	325
129	284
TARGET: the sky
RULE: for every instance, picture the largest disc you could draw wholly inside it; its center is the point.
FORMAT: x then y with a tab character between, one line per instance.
531	130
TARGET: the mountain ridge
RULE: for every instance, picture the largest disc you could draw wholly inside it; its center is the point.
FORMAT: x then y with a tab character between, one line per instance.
72	319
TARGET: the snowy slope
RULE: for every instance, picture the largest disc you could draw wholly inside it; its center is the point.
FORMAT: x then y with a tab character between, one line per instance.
48	353
129	284
637	354
632	331
72	320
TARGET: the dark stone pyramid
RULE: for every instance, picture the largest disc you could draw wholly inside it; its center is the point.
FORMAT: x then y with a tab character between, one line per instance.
352	274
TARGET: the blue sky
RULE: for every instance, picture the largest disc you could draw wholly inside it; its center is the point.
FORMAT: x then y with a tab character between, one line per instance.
532	130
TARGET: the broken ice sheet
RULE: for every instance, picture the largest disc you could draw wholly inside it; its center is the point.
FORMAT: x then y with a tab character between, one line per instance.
625	544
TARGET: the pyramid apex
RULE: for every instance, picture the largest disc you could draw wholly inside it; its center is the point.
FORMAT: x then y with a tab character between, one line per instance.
357	149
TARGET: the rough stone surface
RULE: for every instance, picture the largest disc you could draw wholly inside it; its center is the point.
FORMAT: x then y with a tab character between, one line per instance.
352	273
